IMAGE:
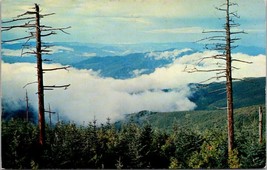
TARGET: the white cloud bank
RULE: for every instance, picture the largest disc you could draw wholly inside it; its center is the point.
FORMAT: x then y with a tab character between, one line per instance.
90	95
27	52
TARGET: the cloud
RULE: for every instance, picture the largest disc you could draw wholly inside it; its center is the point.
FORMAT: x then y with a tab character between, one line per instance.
8	52
183	30
167	54
132	20
138	72
60	49
255	30
89	54
17	53
91	95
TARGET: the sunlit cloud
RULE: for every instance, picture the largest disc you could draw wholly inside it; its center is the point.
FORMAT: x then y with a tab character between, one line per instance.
59	49
134	20
92	96
8	52
89	54
29	52
184	30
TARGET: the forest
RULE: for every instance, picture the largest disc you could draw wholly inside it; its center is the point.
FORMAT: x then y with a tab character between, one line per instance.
183	145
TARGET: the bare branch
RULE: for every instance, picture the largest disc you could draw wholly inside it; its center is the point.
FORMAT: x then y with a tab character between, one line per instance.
44	15
59	29
44	50
208	38
51	33
18	39
7	28
46	53
17	19
242	61
44	26
222	72
237	68
220	9
218	90
28	53
49	112
54	86
234	25
234	39
48	89
233	4
216	77
239	79
46	60
58	68
234	46
27	13
216	39
238	32
213	31
234	14
219	56
208	70
30	83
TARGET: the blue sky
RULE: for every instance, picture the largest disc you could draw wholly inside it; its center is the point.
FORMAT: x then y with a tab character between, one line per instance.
141	21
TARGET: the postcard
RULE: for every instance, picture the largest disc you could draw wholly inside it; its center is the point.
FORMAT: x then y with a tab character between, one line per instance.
133	84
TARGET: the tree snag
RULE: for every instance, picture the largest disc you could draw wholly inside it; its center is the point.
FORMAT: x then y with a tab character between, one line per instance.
33	22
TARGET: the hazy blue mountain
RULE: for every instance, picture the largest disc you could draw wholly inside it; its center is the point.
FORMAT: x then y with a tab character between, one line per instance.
118	61
128	66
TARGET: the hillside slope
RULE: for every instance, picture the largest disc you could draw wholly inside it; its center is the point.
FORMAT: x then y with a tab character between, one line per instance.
248	96
250	91
201	120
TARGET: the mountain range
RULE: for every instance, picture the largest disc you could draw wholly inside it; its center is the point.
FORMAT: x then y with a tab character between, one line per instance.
119	61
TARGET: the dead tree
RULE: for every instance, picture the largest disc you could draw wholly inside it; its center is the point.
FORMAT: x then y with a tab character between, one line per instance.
32	23
260	124
50	115
222	41
27	107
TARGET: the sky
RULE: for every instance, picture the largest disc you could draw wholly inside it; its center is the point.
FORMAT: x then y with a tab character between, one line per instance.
141	21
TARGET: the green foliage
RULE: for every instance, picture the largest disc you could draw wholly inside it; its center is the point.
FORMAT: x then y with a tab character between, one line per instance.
174	164
132	146
200	120
213	151
233	160
244	94
19	141
252	153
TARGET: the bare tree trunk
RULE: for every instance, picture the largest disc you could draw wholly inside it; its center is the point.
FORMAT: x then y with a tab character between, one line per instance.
57	117
41	110
260	124
230	118
27	107
50	121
